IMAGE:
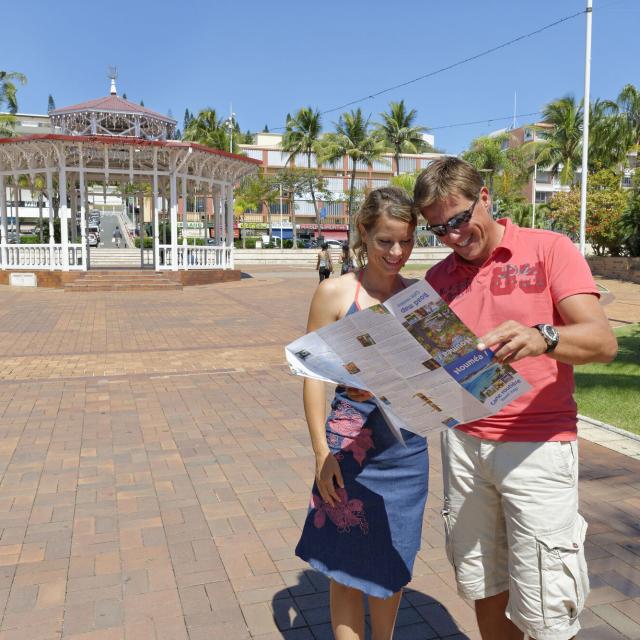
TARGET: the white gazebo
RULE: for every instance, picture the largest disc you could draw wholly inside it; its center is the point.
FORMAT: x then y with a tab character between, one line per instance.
113	142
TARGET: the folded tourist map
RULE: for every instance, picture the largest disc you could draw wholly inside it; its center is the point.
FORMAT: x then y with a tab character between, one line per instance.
417	358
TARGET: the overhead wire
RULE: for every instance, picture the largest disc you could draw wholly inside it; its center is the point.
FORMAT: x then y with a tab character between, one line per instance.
453	65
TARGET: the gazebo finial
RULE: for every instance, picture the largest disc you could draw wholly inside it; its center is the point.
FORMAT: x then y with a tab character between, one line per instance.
113	74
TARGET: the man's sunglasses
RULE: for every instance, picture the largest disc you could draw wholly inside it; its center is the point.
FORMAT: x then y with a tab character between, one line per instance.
453	223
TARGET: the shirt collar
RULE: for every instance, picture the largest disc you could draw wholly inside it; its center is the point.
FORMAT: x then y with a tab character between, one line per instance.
505	248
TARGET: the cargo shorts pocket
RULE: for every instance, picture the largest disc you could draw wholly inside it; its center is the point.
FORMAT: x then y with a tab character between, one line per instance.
448	535
564	580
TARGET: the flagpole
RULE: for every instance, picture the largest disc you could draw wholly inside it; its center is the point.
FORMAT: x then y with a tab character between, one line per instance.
585	131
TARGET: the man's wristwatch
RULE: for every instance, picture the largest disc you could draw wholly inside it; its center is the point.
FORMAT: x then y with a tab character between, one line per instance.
550	335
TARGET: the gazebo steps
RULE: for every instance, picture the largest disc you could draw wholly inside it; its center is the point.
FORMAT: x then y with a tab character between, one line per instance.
101	257
122	280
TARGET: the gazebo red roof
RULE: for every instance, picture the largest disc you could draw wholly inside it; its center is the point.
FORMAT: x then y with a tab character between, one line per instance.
112	103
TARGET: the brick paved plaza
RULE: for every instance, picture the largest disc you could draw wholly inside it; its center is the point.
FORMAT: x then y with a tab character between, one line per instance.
156	471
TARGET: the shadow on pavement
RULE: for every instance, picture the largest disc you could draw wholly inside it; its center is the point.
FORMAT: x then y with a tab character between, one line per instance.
306	606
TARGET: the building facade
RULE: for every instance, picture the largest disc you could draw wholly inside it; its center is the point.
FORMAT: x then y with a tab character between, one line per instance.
336	178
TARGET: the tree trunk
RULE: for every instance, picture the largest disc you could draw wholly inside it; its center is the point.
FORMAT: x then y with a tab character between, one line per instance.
16	202
40	216
292	215
353	182
313	197
397	156
268	205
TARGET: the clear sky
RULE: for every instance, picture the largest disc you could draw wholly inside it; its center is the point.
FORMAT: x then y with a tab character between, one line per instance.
270	58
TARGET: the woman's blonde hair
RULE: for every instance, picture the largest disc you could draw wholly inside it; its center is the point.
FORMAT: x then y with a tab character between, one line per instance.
391	201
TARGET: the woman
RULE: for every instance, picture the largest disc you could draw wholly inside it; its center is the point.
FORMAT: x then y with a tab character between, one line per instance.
365	516
346	259
324	266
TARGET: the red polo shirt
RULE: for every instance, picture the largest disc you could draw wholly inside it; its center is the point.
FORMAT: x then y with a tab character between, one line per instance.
523	280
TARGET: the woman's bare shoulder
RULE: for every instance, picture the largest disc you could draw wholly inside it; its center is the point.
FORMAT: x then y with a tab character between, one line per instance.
336	294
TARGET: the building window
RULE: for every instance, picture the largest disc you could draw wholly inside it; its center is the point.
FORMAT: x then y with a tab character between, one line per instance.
542	197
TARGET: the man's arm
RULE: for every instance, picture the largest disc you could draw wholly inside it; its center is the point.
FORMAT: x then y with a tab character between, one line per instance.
585	336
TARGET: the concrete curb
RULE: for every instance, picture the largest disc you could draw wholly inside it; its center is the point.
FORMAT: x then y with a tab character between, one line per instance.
609	427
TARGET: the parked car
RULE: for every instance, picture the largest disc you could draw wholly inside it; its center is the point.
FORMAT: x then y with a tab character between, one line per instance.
334	244
92	240
95	229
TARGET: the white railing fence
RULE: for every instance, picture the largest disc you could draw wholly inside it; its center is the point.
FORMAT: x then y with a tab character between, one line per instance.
196	257
40	256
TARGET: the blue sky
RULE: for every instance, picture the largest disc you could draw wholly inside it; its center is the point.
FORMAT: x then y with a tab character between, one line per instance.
270	58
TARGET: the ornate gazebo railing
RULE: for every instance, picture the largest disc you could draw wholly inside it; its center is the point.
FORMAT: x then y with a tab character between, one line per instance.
196	257
40	256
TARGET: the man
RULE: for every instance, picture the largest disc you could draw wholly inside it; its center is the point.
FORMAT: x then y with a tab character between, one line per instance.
514	534
117	237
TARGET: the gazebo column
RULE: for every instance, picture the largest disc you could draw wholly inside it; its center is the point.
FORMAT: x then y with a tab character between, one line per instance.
229	203
3	224
154	211
184	210
83	214
16	208
215	195
229	208
63	214
74	210
52	237
173	197
223	214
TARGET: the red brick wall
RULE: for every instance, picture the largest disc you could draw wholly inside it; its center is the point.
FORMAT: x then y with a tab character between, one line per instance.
49	279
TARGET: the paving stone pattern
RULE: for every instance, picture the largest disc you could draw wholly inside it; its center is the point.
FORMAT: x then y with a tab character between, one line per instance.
155	472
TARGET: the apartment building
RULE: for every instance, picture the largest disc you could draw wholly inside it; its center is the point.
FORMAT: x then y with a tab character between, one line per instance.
337	177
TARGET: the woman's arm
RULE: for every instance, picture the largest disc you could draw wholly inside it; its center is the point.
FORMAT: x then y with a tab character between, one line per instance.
325	309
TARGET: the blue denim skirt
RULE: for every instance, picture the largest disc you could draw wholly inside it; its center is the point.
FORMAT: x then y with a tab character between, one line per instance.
369	540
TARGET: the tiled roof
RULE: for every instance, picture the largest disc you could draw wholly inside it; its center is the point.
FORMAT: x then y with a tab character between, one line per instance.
111	103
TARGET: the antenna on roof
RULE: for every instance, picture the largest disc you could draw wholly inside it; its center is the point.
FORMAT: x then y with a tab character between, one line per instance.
112	73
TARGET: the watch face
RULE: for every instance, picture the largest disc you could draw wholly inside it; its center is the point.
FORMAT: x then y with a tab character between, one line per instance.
550	333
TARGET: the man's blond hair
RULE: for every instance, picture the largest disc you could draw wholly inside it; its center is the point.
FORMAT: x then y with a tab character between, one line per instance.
444	177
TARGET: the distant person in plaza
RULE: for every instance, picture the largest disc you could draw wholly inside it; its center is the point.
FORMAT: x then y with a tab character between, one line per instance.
514	534
346	259
365	516
117	237
324	265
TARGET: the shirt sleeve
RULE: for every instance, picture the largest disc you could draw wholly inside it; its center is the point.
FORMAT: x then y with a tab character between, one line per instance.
568	271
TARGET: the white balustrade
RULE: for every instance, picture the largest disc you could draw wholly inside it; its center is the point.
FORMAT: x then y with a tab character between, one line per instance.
40	256
197	257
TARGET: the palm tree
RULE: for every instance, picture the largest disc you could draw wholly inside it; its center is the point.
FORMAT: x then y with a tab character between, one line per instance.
8	90
610	135
629	105
353	139
488	155
253	193
561	146
207	129
301	136
399	132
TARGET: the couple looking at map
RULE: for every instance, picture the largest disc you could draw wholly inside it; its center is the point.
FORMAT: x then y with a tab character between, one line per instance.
503	401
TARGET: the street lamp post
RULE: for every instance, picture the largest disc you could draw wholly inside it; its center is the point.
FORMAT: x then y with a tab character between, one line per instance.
229	122
281	223
533	195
